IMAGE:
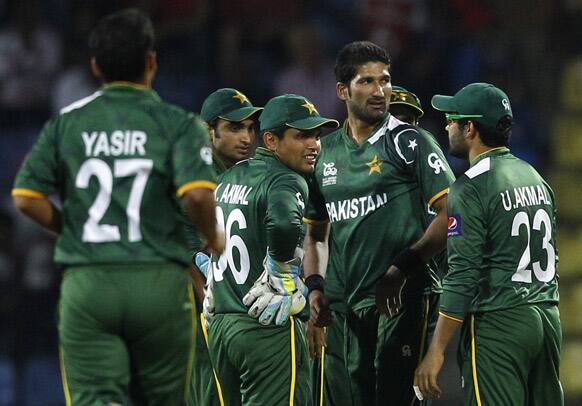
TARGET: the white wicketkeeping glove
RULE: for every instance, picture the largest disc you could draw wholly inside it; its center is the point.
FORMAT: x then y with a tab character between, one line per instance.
208	303
202	261
278	293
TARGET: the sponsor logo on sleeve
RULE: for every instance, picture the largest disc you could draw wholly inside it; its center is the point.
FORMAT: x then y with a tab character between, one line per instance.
436	163
454	226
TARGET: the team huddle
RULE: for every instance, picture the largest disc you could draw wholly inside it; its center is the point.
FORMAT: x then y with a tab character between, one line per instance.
322	269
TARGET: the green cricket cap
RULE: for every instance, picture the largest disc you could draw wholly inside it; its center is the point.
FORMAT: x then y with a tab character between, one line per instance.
228	104
483	102
401	96
293	111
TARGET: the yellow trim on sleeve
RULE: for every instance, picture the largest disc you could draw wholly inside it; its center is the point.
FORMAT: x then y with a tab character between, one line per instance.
438	196
64	376
314	222
193	349
28	193
293	366
218	387
446	316
205	184
474	361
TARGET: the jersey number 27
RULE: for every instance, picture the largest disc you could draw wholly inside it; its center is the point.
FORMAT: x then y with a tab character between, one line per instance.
95	232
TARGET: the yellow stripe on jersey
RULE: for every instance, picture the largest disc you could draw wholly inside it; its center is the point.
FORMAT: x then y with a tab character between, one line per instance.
193	349
474	361
315	222
28	193
438	196
446	316
205	333
64	376
322	384
128	84
205	184
293	366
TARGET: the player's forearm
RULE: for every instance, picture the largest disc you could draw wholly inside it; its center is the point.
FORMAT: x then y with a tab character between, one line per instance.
434	240
42	211
444	332
201	210
316	249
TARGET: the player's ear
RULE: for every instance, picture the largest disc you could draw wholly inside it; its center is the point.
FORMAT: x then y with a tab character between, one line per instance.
270	141
342	91
210	130
95	68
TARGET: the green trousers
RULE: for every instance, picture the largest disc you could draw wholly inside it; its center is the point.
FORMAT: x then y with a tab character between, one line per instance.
512	357
370	359
259	365
126	334
204	390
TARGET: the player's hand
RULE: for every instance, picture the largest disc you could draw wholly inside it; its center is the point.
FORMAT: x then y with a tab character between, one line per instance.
389	291
202	261
217	244
425	376
320	313
315	339
267	303
199	282
208	303
284	276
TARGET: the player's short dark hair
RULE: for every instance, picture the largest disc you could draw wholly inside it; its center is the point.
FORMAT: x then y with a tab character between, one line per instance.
355	54
279	132
498	136
120	42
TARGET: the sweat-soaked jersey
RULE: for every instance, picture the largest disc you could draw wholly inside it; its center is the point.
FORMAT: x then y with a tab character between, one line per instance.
119	160
376	196
260	203
502	238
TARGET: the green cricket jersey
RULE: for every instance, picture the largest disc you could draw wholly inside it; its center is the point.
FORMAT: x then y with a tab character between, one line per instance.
260	203
502	238
375	195
119	159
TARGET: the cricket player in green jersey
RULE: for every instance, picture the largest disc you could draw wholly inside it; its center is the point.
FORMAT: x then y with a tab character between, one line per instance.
260	203
502	285
374	178
405	105
120	161
232	121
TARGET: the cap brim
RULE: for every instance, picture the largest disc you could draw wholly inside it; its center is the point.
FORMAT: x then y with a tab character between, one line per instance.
310	123
412	106
240	114
443	103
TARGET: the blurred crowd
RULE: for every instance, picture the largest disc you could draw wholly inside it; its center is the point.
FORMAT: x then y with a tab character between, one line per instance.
263	48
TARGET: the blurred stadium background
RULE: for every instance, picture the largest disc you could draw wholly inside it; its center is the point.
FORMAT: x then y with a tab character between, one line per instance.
530	48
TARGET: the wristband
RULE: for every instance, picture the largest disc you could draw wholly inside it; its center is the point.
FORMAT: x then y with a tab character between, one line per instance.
315	282
409	261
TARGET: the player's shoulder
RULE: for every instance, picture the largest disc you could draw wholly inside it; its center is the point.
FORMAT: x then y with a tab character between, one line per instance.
333	138
80	105
393	133
282	176
473	181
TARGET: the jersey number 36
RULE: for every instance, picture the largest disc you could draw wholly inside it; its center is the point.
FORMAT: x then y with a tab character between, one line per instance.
240	271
